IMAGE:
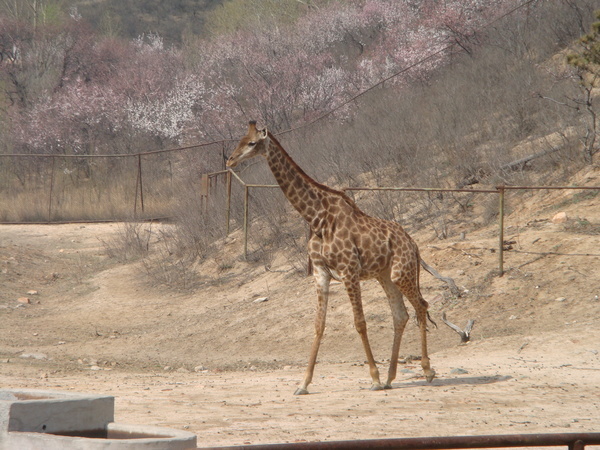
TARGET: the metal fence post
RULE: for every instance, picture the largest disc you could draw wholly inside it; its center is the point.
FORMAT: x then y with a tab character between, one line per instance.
141	181
309	265
501	230
138	183
246	198
228	211
204	192
51	189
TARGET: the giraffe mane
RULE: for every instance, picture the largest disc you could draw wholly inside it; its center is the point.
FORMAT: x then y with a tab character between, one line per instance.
303	174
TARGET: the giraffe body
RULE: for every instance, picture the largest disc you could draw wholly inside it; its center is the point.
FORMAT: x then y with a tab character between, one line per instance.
347	245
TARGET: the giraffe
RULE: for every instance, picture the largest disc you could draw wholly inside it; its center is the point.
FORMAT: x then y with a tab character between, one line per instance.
349	246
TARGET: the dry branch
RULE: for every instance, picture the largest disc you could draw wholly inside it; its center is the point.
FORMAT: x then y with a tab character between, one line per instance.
465	335
520	164
449	281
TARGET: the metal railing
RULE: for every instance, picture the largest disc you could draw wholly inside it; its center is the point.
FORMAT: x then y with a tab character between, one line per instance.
573	441
499	190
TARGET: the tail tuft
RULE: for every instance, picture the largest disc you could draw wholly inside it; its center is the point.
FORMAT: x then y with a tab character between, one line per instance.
431	320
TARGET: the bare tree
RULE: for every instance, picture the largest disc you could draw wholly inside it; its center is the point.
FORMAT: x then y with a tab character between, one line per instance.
586	61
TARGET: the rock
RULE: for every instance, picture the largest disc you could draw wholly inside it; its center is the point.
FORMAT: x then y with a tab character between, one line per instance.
24	300
200	368
167	368
459	371
560	299
560	217
94	368
32	292
33	355
260	299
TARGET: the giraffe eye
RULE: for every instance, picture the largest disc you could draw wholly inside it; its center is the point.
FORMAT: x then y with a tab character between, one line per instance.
252	143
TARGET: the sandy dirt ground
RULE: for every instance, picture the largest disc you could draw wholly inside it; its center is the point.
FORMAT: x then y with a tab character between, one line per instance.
214	361
540	384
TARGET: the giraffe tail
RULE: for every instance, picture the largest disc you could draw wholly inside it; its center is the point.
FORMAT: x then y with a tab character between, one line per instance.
431	320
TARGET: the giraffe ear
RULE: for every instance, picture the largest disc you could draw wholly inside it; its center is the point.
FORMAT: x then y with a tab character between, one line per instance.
263	133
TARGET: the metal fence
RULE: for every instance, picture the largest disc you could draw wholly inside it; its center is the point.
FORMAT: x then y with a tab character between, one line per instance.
110	187
573	441
500	191
143	185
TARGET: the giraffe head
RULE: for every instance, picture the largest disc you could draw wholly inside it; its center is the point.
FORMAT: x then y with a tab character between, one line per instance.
254	143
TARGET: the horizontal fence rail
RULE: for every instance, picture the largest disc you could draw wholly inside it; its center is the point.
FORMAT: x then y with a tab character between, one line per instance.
573	441
138	180
499	190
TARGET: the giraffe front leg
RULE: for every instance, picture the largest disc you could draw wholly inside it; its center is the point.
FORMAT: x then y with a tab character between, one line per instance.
322	279
353	289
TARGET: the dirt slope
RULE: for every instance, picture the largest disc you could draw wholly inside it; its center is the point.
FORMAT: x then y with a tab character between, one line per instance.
99	326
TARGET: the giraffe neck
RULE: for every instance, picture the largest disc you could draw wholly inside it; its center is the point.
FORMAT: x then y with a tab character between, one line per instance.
304	193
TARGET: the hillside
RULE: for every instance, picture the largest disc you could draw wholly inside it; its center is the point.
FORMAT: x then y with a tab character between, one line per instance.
170	19
87	299
98	325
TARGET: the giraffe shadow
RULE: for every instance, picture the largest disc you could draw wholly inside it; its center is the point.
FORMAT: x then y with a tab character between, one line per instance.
459	381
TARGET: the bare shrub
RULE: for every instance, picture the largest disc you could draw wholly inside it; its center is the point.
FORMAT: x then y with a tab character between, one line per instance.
131	242
168	265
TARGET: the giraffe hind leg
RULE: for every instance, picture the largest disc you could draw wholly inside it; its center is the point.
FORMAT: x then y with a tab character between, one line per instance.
420	305
400	318
409	286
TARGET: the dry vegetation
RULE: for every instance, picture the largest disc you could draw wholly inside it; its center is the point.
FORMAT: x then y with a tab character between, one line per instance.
508	95
507	98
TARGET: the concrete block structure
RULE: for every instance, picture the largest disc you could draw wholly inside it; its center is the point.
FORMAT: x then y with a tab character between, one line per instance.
53	420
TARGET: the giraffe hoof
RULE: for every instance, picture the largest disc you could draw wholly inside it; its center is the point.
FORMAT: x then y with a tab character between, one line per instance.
301	391
387	386
430	376
377	387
